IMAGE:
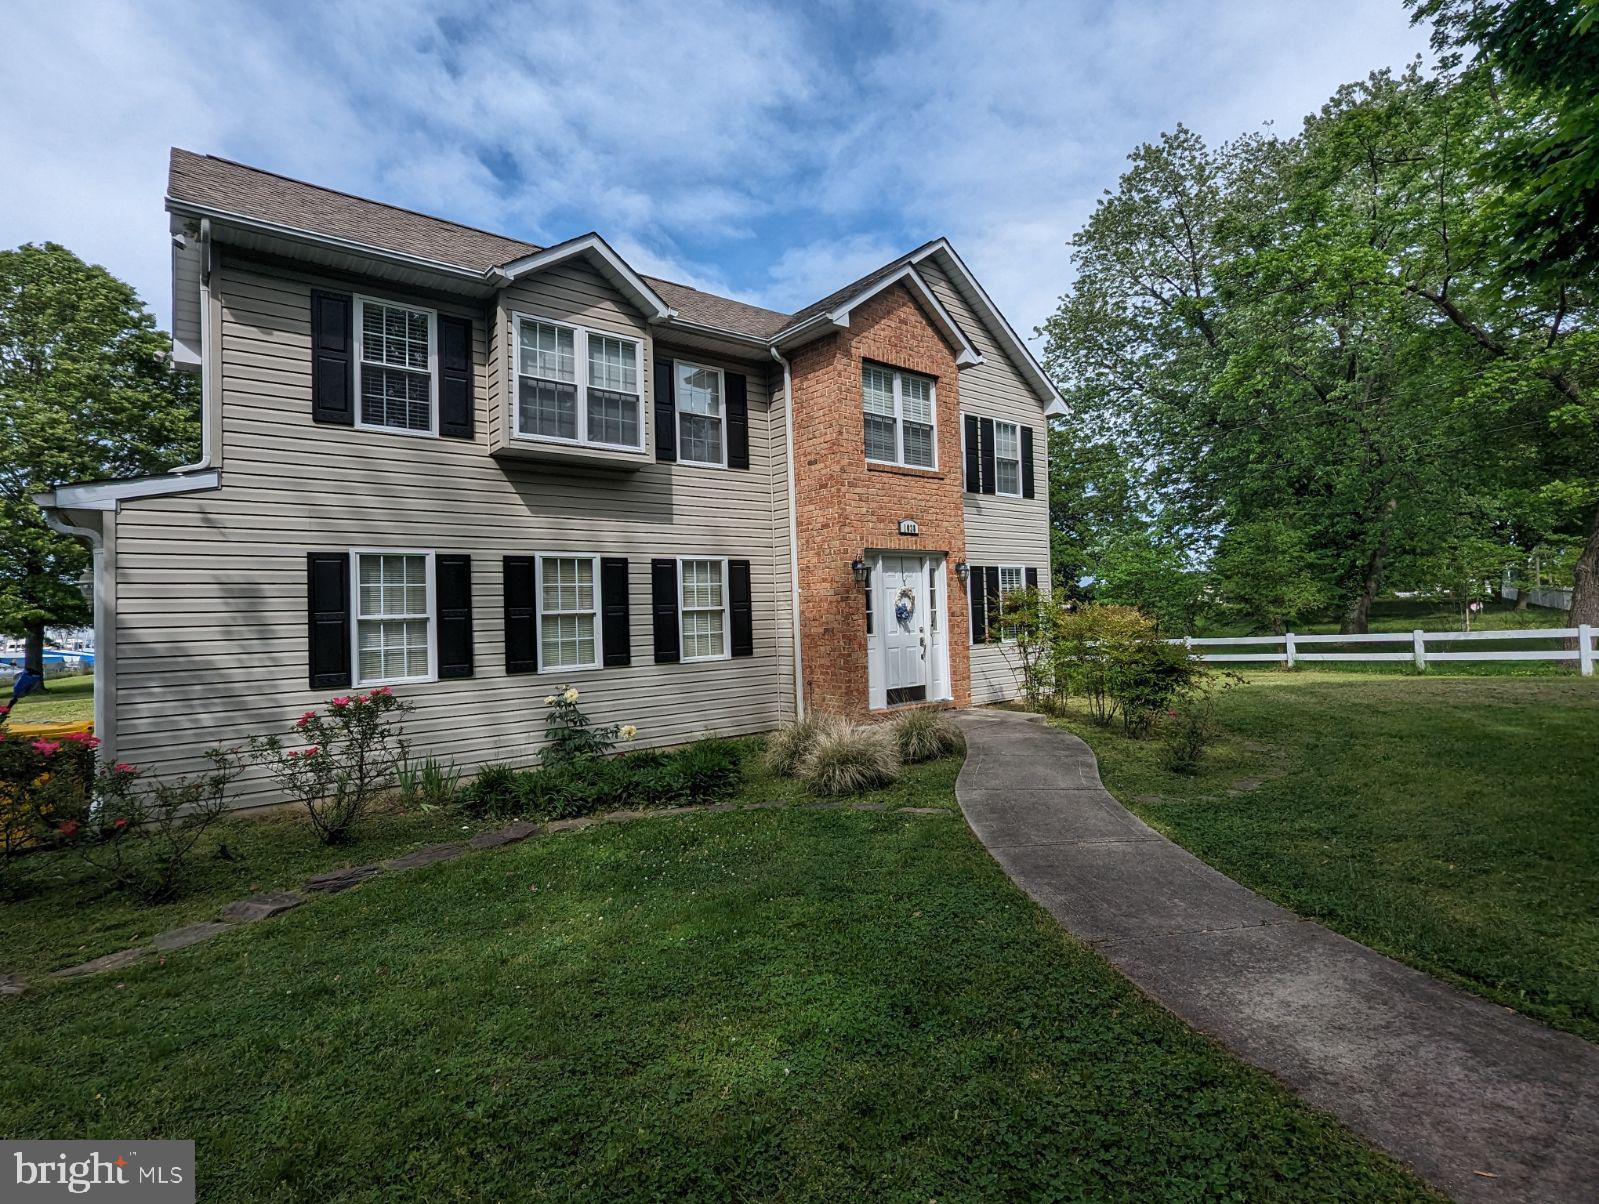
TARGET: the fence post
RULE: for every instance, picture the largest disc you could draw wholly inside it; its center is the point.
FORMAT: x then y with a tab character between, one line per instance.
1585	649
1288	647
1418	644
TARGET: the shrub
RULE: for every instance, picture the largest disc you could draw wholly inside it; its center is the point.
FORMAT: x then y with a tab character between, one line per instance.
353	751
142	832
492	793
701	772
1191	726
428	784
44	784
787	746
849	759
924	735
1148	677
570	735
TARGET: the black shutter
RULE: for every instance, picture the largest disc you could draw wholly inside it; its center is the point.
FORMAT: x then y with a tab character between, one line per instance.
328	612
974	467
992	599
977	604
521	616
332	359
455	377
452	591
665	410
987	453
1027	461
738	422
614	633
741	606
1032	578
663	604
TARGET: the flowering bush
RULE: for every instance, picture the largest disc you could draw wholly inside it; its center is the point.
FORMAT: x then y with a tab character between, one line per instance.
353	749
43	784
569	736
141	831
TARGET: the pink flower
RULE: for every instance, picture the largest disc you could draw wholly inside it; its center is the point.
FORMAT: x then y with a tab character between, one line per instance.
383	692
83	738
47	748
124	767
70	828
5	710
310	752
362	699
291	754
120	822
302	721
343	700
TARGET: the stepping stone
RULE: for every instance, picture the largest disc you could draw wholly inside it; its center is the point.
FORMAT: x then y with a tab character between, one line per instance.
764	806
12	984
260	907
337	880
677	810
868	807
924	810
621	817
111	961
820	806
431	855
189	934
569	825
510	834
1245	785
720	807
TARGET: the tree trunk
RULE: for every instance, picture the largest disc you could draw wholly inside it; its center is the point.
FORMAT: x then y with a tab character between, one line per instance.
1585	579
1358	616
1523	596
33	651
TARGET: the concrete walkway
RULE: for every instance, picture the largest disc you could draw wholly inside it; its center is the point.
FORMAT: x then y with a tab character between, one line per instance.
1481	1102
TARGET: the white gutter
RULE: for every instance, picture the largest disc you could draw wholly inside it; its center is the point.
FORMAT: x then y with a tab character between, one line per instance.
793	536
105	650
208	360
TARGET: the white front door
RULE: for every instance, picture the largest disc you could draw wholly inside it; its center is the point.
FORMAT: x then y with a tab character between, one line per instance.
905	635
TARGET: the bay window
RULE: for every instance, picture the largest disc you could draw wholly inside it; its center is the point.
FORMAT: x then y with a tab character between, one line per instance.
576	385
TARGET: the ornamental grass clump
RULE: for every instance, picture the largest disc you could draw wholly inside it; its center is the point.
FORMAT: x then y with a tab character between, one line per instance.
850	759
924	735
352	755
788	745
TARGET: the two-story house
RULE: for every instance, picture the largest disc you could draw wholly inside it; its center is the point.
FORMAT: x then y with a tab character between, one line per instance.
471	468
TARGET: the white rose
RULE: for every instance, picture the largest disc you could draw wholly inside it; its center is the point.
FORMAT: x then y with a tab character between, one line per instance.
549	700
628	731
571	694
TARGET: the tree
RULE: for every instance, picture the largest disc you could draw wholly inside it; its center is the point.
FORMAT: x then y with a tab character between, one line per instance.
1093	498
87	392
1265	573
1541	58
1144	569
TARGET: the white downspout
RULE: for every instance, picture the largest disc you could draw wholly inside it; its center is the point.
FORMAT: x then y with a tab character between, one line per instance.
105	636
793	537
208	359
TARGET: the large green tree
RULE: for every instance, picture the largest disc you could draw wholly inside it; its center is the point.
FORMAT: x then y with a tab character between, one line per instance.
87	392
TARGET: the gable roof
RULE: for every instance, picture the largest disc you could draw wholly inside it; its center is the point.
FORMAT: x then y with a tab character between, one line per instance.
208	185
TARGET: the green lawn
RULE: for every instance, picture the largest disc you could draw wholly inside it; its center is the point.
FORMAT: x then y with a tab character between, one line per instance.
782	1004
1411	614
1448	820
64	700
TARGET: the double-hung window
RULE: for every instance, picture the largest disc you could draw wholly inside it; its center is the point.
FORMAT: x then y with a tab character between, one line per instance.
578	386
702	607
393	617
699	415
569	606
398	355
1012	578
900	423
1007	459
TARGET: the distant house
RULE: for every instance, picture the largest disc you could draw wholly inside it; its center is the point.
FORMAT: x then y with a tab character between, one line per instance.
471	468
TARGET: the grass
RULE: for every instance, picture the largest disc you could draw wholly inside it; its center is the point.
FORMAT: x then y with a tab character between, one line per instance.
784	1004
64	700
1411	614
1449	821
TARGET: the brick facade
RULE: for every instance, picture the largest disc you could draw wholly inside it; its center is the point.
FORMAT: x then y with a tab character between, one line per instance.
846	507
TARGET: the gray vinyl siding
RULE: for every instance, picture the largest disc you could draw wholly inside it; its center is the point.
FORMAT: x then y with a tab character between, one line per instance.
211	622
186	296
999	530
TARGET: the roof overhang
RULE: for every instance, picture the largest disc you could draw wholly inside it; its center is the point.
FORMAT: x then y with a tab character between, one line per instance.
107	495
1054	404
598	252
838	318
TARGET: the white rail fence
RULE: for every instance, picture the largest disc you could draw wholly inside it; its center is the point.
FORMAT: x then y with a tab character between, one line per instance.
1290	647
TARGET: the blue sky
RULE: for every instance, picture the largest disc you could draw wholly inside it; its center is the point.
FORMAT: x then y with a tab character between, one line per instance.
770	152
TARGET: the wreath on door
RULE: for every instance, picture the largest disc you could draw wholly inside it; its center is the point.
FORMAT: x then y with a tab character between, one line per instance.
905	604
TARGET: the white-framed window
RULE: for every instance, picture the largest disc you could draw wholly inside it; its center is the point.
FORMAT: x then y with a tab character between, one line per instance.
900	414
569	612
394	632
1007	459
575	385
396	361
1012	577
701	431
702	609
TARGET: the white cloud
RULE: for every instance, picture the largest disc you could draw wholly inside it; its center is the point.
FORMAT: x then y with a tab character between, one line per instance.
756	149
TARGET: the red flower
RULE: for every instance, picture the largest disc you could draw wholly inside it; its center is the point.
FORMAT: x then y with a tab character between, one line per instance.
47	748
121	821
339	703
83	738
124	767
310	752
383	692
362	699
70	828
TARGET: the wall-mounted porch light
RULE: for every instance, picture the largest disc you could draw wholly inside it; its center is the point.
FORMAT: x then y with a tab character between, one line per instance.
963	571
862	571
